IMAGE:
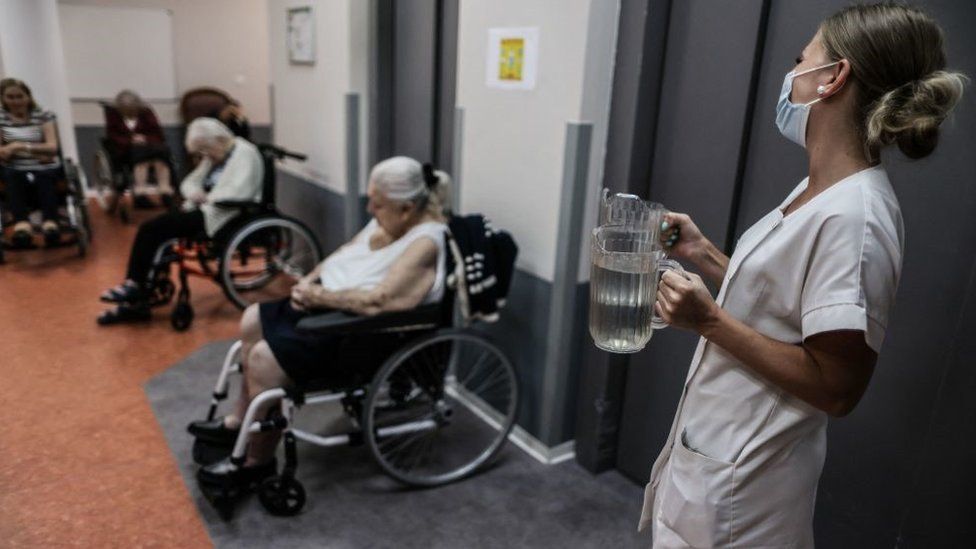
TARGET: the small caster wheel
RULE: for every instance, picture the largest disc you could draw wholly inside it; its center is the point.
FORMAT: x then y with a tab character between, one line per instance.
181	317
282	496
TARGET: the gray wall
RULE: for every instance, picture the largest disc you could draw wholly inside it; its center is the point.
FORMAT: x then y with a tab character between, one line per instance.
899	468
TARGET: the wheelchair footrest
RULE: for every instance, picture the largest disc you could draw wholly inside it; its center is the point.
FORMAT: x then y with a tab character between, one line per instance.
206	452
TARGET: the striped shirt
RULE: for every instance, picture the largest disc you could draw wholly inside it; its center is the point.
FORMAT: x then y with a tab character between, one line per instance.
31	131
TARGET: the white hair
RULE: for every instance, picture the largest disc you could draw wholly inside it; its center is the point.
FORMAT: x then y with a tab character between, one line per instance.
401	179
208	130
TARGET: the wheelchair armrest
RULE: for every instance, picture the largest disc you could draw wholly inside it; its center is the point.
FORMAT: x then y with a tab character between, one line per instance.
339	322
239	204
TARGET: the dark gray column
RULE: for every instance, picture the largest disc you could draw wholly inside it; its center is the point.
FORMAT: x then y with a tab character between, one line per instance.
641	43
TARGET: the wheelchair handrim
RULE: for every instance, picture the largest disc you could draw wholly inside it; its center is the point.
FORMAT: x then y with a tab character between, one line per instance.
233	288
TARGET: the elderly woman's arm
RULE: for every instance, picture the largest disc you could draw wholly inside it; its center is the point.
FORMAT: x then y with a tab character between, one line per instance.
405	286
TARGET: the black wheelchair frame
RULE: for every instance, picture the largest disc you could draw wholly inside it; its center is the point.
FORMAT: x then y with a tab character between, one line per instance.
436	371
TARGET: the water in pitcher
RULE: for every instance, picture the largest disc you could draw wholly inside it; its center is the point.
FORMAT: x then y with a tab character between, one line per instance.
622	295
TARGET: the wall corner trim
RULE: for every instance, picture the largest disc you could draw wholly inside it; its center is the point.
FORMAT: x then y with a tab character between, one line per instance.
572	203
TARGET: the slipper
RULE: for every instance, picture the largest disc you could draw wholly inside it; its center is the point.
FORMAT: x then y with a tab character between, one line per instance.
52	237
123	314
123	293
22	240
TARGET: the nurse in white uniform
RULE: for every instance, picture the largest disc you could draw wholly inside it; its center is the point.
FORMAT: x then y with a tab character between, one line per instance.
805	298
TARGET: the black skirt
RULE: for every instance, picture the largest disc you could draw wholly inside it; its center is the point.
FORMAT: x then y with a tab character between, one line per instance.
331	361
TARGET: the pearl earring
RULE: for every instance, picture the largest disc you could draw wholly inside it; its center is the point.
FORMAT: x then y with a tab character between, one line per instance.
821	90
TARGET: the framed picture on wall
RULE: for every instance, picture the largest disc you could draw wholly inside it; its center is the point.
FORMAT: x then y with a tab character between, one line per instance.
301	36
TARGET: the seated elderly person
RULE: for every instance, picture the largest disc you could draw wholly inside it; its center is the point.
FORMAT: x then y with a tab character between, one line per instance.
28	160
231	169
395	263
136	139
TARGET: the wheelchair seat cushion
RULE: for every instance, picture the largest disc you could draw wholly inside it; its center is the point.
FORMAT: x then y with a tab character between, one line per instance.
322	360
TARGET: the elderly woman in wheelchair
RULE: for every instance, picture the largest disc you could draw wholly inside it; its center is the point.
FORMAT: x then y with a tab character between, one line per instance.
136	141
232	169
395	263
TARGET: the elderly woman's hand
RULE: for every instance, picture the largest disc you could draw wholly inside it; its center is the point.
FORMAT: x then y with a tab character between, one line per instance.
305	295
197	197
684	302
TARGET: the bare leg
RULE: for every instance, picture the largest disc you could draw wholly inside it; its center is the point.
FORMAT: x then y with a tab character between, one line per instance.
250	335
263	372
140	174
163	181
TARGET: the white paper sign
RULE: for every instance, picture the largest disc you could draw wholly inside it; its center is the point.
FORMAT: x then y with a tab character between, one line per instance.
513	58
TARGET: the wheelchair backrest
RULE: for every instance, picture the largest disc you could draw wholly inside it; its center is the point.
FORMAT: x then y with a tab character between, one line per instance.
202	102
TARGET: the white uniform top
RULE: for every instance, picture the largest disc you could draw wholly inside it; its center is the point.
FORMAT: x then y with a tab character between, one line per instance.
355	265
741	465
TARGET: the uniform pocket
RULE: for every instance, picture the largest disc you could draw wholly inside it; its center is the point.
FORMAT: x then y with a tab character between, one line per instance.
696	503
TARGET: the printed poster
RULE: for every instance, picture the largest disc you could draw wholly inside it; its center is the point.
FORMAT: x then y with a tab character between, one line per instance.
512	59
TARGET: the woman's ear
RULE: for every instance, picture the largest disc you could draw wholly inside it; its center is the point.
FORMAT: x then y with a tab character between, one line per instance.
837	80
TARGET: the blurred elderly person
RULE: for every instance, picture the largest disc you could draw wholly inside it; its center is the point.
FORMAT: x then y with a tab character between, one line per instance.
137	140
397	262
28	159
231	169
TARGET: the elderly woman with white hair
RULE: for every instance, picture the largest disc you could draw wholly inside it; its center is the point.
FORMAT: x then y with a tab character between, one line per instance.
231	169
397	262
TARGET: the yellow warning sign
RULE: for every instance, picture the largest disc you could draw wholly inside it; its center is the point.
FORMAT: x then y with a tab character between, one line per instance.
511	58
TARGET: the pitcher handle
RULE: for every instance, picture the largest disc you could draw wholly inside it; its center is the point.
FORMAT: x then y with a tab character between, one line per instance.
663	265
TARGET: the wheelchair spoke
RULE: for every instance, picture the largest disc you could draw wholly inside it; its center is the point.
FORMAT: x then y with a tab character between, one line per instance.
492	380
474	369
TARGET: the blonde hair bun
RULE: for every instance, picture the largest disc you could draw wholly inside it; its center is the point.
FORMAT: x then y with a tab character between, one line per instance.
911	114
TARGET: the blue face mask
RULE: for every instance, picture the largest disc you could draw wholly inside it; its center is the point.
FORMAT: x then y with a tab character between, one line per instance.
791	118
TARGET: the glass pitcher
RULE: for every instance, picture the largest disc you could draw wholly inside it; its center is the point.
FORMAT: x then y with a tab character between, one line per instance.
627	260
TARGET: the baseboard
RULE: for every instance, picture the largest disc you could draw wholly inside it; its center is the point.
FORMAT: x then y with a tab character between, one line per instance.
518	436
542	453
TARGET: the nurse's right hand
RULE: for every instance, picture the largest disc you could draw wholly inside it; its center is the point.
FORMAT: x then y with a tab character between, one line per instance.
681	237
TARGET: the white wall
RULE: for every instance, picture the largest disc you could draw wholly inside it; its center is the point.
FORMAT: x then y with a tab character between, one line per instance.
30	40
309	101
512	155
221	43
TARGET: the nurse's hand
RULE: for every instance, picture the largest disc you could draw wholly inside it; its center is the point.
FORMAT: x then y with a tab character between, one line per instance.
681	237
684	302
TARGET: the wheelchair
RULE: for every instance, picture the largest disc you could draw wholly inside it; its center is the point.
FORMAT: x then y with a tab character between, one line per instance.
73	211
113	178
433	399
258	256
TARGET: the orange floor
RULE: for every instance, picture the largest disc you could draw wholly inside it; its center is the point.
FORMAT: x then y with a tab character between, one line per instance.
82	460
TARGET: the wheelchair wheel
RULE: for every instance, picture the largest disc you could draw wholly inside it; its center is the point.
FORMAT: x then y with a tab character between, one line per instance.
265	258
441	408
282	496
